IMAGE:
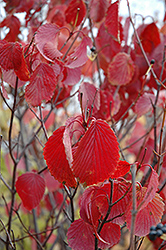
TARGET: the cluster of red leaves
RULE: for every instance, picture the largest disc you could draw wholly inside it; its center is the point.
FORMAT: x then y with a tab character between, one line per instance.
86	151
49	63
95	206
87	159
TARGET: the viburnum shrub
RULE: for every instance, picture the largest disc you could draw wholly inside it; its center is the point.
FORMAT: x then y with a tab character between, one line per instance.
82	122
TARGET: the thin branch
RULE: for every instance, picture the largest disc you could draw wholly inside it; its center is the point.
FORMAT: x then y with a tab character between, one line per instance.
160	143
8	235
14	161
37	241
134	211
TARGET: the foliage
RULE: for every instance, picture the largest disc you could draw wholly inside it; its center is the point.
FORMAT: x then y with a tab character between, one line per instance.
82	118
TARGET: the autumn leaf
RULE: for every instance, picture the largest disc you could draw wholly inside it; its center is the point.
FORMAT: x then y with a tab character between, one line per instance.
121	69
30	187
111	234
42	85
98	9
144	104
97	154
55	156
112	20
80	235
47	41
148	215
90	96
151	187
120	188
149	36
75	12
11	57
13	23
123	167
79	56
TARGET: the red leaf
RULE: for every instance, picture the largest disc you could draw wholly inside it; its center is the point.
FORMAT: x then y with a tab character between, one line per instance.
11	57
55	156
91	95
146	216
10	77
102	200
97	154
56	15
13	23
75	12
151	188
79	56
121	69
112	20
71	76
30	187
80	235
47	41
89	211
123	167
144	104
110	233
42	85
109	47
149	36
98	9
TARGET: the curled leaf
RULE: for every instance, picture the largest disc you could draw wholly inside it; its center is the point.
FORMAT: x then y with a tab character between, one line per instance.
55	156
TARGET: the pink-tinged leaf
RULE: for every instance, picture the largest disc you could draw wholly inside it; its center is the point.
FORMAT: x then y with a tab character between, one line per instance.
121	69
51	183
67	136
97	154
98	9
123	167
42	85
144	104
79	56
56	15
151	188
55	156
5	94
47	41
110	233
30	187
112	20
9	76
146	217
75	12
71	76
126	30
90	95
13	23
80	236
